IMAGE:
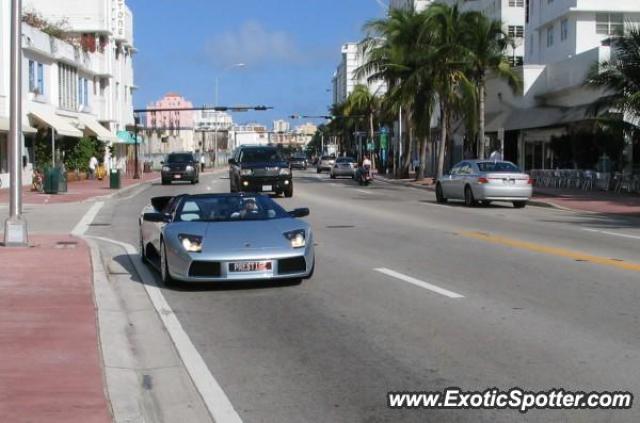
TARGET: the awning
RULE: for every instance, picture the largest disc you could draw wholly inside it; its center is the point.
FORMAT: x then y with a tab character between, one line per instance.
60	124
94	127
537	117
26	128
125	137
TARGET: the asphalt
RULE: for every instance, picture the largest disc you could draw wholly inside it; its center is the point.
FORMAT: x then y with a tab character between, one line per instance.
546	298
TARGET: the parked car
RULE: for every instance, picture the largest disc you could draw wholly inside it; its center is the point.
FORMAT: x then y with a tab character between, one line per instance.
325	163
485	181
260	169
225	237
180	167
344	166
298	161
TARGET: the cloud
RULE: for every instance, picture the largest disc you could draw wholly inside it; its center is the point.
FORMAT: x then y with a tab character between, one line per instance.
254	45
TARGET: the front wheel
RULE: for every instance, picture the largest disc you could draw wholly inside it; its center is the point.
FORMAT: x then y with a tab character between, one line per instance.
288	192
440	198
333	176
167	280
519	204
165	182
469	199
318	170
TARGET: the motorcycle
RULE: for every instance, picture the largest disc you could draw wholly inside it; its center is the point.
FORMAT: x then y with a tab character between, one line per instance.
364	175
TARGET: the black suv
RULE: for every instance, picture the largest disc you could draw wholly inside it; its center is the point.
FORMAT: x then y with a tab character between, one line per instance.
260	169
180	167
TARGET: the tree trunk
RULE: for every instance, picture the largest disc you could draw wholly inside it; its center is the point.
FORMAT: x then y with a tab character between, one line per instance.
482	122
406	159
424	142
371	135
443	138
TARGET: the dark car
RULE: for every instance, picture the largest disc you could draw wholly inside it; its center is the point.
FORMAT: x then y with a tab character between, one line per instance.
298	161
180	167
260	169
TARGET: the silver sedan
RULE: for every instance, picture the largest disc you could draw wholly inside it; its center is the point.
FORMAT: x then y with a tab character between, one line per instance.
225	237
344	166
485	181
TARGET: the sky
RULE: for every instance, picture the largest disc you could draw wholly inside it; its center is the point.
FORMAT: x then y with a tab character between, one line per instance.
290	48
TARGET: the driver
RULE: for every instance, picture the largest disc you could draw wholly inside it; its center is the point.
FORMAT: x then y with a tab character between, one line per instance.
250	207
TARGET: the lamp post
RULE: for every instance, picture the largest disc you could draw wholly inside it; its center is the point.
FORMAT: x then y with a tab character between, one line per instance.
15	227
235	65
135	128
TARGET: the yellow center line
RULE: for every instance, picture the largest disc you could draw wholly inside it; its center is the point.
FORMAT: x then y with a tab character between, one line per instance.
554	251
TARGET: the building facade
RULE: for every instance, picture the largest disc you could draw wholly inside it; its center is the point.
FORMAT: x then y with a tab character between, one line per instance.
345	78
78	85
417	5
167	130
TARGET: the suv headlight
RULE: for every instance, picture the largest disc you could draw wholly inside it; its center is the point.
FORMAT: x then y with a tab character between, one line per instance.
166	169
189	168
297	238
191	243
285	171
246	172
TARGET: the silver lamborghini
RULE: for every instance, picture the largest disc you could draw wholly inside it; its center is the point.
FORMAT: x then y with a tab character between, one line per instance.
225	237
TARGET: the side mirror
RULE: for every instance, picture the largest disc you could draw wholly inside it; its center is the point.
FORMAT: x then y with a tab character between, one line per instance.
162	162
299	212
155	217
232	161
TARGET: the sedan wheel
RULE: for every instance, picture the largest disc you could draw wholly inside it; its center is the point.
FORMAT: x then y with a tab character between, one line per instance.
440	195
519	204
469	200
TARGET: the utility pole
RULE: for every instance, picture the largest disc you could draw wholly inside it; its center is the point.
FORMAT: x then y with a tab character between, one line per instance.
15	227
136	121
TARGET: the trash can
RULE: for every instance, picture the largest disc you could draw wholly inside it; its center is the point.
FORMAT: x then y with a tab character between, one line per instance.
114	179
51	182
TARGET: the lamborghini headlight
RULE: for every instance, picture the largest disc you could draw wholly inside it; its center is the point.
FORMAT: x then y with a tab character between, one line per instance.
297	238
191	243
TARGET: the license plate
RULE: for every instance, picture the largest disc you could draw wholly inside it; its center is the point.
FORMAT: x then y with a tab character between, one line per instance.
250	266
177	176
267	188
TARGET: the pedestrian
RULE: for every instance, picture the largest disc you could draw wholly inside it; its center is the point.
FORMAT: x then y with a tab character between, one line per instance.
496	155
93	163
202	162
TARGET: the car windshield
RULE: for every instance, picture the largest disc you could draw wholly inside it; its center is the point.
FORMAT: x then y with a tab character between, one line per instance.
326	158
299	156
261	155
498	167
229	208
345	160
179	158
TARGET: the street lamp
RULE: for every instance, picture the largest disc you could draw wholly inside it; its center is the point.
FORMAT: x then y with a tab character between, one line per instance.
235	65
135	128
15	227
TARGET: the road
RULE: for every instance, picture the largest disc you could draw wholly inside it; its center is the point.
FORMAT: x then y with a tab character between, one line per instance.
410	295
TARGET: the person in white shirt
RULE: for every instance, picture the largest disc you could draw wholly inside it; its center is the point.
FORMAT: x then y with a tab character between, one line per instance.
93	164
366	162
496	155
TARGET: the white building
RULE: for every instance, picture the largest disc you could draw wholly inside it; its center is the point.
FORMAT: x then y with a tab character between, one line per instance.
71	88
565	38
345	78
250	134
418	5
512	14
281	126
212	130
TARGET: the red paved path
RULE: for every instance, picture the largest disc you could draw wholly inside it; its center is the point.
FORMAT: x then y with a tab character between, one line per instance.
77	190
50	367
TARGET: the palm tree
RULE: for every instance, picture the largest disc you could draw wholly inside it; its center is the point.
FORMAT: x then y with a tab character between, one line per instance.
620	77
486	43
361	102
449	58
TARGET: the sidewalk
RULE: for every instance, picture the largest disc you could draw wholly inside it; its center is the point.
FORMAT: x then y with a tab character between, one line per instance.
50	366
77	190
576	200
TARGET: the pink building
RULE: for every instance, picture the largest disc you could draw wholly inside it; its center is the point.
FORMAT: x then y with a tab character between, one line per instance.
171	130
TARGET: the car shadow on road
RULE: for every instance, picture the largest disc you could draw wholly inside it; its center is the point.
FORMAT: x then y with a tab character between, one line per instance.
461	204
125	261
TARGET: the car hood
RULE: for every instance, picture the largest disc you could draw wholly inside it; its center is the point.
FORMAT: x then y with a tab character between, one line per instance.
239	235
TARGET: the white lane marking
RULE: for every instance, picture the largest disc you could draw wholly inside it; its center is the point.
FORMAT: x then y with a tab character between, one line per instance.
83	225
364	192
419	283
611	233
214	397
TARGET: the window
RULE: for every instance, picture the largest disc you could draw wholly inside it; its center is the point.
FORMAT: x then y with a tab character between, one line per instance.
40	78
516	31
564	29
36	77
609	23
83	91
32	76
67	87
550	36
516	61
516	3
